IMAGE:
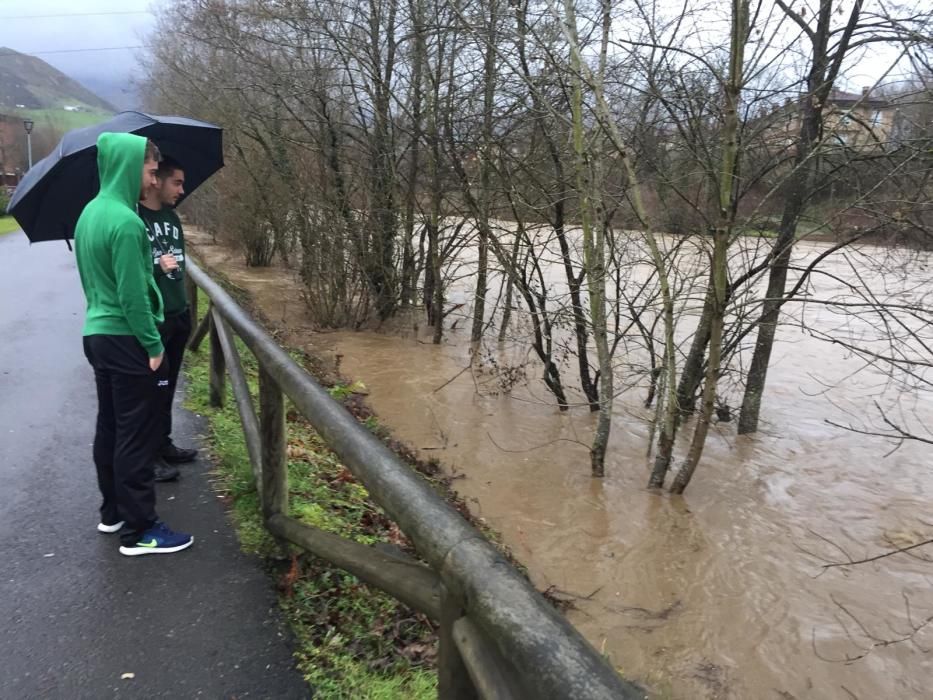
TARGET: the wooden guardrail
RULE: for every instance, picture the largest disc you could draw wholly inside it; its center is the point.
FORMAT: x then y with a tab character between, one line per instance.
498	637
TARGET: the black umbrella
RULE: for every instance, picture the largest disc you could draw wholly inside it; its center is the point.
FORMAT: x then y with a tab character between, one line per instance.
49	200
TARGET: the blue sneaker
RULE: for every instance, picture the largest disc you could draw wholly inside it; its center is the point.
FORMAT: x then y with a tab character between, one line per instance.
158	539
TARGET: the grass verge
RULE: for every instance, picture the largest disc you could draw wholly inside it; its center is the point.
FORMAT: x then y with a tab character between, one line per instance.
58	120
353	641
8	225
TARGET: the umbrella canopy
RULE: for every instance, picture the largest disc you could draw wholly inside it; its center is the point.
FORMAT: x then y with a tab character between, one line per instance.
51	196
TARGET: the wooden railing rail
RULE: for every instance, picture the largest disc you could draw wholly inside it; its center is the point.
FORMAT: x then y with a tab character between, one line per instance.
499	638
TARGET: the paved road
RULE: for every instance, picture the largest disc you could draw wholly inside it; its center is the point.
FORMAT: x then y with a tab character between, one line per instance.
75	615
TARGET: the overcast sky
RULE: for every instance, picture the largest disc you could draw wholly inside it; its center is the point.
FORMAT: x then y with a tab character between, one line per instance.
68	42
28	27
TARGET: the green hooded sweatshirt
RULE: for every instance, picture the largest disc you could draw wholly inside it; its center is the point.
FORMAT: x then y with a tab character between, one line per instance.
112	249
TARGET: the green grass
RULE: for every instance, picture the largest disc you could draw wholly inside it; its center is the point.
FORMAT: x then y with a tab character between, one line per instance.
60	120
353	641
8	225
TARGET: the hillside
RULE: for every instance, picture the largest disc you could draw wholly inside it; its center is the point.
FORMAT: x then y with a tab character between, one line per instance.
29	83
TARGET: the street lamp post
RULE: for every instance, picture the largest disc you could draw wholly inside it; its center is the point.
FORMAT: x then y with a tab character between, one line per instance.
28	124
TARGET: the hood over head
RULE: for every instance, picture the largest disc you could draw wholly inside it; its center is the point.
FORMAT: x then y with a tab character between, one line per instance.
120	160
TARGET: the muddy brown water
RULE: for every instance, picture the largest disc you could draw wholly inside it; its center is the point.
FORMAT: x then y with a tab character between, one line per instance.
713	595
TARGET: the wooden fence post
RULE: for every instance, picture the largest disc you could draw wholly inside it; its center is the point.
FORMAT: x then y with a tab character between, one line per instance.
493	676
218	367
199	331
191	291
242	398
453	679
274	490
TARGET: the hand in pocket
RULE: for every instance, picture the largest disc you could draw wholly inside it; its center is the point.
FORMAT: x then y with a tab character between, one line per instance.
156	362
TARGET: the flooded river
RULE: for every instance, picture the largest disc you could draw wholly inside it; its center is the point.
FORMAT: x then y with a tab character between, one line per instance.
716	594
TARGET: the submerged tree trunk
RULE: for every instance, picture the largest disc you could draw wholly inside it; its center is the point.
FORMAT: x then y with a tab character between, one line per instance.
437	302
434	296
692	373
711	379
594	249
823	72
771	307
607	122
719	268
542	338
557	201
382	272
486	166
409	269
509	285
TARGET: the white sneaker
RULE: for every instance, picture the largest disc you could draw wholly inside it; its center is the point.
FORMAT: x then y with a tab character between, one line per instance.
109	529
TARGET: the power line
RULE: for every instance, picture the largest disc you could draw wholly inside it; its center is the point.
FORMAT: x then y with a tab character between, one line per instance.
79	14
43	53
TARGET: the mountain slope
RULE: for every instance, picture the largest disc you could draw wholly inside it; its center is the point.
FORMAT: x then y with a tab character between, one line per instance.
34	84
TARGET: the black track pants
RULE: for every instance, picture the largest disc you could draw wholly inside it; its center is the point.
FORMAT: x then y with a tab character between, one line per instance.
175	332
128	429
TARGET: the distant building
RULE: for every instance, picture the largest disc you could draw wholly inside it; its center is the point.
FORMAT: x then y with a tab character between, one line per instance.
859	119
850	120
11	150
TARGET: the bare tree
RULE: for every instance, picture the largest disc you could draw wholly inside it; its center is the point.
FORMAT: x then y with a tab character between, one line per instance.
596	182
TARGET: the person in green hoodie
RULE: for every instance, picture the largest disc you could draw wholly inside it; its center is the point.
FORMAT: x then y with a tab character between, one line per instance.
167	240
122	344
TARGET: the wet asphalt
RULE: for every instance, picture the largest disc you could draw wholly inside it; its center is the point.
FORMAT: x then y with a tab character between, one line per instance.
75	615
